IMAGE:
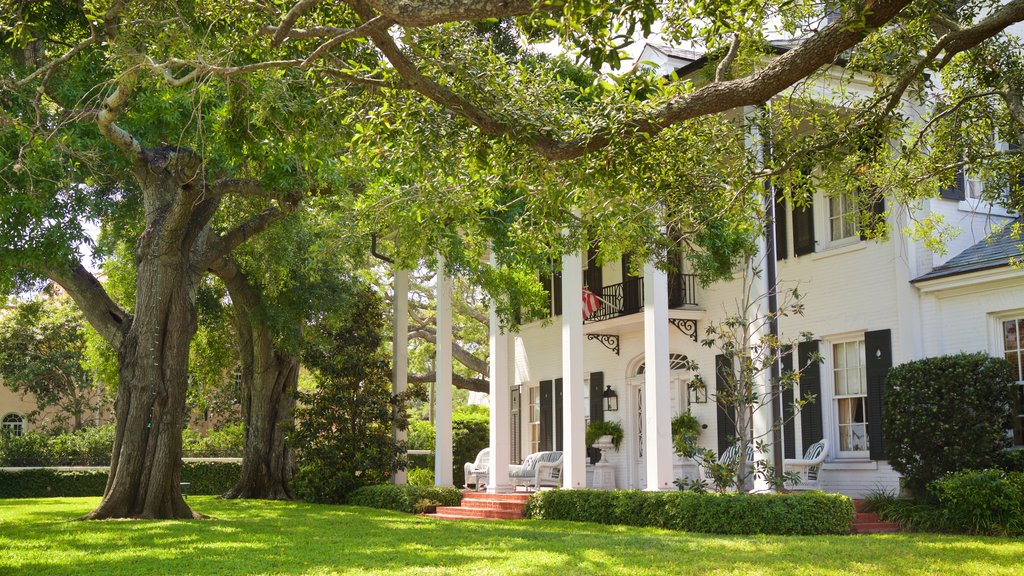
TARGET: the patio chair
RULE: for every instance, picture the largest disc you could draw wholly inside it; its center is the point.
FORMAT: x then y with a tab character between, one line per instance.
476	471
537	470
808	467
730	455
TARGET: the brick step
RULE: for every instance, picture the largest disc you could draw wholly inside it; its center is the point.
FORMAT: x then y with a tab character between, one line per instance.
494	505
456	516
447	511
867	517
503	497
875	527
860	505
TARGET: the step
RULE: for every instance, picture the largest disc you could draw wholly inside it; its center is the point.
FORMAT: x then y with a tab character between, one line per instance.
503	497
876	528
867	517
860	505
478	513
456	516
494	505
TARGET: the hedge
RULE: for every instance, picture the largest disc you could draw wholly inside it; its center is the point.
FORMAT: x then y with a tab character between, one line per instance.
982	501
805	513
404	498
203	477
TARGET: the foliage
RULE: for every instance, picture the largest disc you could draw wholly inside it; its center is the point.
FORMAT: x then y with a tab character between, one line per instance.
407	498
685	433
344	428
204	477
470	435
598	428
911	514
945	414
93	446
420	476
805	513
982	502
1011	460
42	356
226	440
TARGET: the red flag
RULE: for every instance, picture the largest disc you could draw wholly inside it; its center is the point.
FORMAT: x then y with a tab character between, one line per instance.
591	303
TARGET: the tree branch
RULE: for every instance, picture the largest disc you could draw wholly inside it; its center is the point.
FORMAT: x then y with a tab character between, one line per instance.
418	14
725	66
462	355
224	244
111	108
374	24
471	384
290	18
106	317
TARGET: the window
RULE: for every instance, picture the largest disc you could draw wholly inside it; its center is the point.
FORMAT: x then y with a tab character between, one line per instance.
534	408
1013	347
850	397
842	217
13	424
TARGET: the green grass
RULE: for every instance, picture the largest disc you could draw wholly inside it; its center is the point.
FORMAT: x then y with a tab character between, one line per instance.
41	538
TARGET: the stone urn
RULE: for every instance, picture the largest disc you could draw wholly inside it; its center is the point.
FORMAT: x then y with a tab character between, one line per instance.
604	471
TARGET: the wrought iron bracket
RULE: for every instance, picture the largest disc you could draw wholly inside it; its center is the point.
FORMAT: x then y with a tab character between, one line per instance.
609	341
686	326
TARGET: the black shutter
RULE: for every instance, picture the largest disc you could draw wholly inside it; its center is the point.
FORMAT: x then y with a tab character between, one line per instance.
559	435
556	281
516	435
957	190
803	229
594	277
875	212
788	425
726	414
596	409
546	425
810	385
878	349
632	294
781	248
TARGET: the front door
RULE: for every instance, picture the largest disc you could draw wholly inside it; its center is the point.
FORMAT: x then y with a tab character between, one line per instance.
635	434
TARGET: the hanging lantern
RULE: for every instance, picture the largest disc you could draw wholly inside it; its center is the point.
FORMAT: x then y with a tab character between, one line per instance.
611	400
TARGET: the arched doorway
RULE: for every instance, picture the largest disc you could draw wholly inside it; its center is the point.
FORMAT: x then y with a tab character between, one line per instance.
679	379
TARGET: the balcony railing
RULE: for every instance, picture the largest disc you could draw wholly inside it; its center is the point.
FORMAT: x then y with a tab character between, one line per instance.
627	297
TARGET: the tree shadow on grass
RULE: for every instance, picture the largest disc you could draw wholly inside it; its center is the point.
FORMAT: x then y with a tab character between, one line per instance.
294	538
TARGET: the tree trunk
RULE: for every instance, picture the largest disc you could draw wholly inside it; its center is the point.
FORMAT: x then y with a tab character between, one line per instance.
270	378
145	467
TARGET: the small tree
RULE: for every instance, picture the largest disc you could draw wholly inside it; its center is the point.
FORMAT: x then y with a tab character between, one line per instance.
42	355
750	351
343	436
946	414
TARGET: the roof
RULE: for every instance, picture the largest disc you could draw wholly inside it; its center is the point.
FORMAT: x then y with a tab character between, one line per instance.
994	251
681	53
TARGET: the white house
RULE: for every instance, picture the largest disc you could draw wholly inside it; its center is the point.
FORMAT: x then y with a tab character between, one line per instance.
870	304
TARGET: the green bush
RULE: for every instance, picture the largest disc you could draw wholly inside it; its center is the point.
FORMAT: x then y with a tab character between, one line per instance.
470	435
946	414
1011	460
85	447
982	502
804	513
228	440
204	477
919	515
406	498
421	476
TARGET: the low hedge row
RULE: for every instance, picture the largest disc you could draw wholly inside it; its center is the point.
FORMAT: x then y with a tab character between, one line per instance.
203	477
404	498
805	513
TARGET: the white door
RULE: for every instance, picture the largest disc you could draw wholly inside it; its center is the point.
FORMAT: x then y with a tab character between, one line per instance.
635	434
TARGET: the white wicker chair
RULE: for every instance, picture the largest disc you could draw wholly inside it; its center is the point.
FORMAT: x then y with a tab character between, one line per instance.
808	467
476	471
538	469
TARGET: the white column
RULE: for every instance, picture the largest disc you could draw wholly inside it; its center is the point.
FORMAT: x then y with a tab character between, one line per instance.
400	347
443	382
762	385
657	395
502	356
574	454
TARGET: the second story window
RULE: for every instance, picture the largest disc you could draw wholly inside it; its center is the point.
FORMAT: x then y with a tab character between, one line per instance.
842	217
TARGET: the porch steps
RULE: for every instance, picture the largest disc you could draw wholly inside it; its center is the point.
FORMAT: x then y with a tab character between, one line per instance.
483	506
870	522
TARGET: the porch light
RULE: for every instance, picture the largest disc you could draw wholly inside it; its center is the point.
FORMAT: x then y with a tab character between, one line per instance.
611	400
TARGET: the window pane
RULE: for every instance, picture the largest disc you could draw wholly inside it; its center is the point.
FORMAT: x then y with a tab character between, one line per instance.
841	389
852	355
1009	335
839	356
1014	359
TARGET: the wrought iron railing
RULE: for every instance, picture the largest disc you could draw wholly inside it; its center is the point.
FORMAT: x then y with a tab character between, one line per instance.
627	297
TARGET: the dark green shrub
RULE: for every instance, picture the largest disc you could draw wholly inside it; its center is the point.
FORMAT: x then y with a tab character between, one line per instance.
919	515
85	447
946	414
982	502
1011	460
470	435
804	513
228	440
208	478
405	498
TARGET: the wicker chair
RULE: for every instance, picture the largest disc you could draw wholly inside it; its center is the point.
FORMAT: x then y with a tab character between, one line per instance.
476	471
537	470
808	467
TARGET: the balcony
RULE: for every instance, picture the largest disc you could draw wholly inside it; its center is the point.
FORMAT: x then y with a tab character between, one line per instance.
627	297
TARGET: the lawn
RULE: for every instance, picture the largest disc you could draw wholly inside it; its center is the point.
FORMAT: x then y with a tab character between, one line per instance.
40	538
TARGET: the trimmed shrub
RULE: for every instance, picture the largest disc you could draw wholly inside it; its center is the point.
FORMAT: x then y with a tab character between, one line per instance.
982	502
405	498
421	476
804	513
85	447
1011	460
946	414
205	478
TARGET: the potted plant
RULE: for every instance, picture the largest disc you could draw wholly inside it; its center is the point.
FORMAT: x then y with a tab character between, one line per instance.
605	428
685	433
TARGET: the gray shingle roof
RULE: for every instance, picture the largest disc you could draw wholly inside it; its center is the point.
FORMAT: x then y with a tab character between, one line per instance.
994	251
